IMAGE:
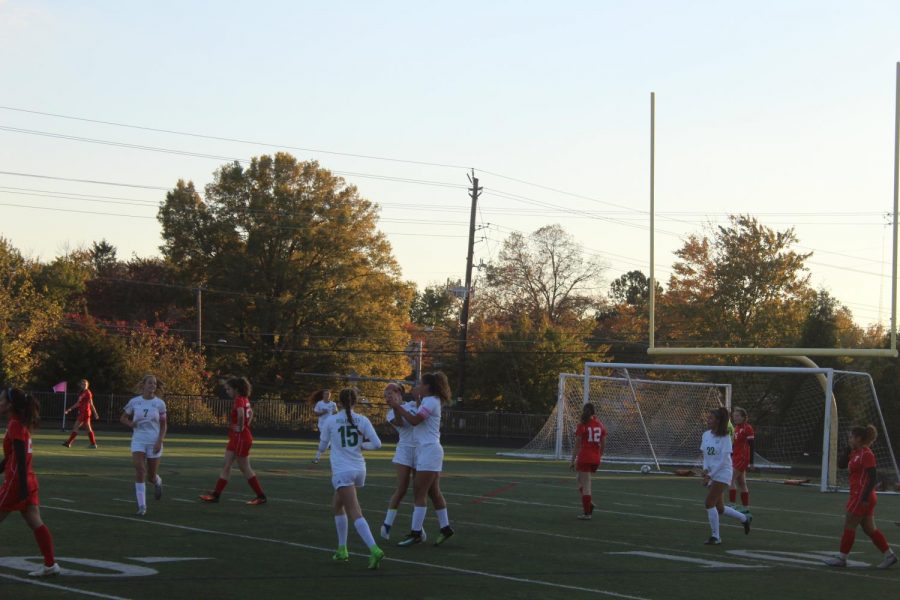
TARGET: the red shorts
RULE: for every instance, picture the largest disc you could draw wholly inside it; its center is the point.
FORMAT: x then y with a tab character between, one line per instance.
85	416
586	467
240	445
740	464
857	508
9	498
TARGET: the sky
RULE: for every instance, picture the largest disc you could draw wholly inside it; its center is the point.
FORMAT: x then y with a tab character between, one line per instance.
781	110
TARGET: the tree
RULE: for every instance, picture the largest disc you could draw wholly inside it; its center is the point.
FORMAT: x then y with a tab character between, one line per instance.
64	280
633	289
84	350
434	306
297	276
743	287
544	276
517	368
26	315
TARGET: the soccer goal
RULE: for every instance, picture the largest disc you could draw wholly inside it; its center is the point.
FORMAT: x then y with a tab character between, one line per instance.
801	415
653	422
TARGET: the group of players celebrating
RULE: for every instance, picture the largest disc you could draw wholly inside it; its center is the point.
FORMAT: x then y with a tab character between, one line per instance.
727	452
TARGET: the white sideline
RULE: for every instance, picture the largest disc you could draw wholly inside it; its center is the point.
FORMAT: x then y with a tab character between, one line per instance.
60	587
330	550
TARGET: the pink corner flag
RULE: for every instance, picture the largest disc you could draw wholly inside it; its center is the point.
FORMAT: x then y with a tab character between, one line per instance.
60	387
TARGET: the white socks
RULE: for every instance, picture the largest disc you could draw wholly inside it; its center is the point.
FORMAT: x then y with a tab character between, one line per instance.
713	515
340	523
418	517
140	492
734	514
390	516
443	517
362	528
318	455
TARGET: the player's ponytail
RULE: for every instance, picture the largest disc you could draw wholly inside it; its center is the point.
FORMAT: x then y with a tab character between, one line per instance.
586	413
866	435
25	407
348	399
437	385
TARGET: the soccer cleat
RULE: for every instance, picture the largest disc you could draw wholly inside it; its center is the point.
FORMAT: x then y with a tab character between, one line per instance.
445	534
67	444
593	506
375	557
157	488
209	498
315	461
93	446
257	501
341	555
747	524
141	511
413	537
46	571
385	531
836	561
584	517
889	561
713	541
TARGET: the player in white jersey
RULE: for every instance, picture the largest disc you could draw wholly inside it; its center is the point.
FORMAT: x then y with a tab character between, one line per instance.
434	390
349	434
404	457
146	416
717	472
323	409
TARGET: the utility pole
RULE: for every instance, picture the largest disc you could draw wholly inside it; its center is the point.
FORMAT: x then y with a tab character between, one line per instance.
474	193
418	361
199	317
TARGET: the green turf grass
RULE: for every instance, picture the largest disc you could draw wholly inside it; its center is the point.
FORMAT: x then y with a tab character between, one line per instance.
516	531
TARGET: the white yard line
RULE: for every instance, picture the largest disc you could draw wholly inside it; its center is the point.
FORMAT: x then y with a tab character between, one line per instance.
56	586
486	574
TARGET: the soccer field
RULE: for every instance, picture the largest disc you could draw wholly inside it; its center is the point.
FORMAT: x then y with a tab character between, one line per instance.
516	533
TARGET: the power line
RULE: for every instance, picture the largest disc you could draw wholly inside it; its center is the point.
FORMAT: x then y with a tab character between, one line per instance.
237	140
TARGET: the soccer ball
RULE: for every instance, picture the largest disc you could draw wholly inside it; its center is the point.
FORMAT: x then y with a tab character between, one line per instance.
645	469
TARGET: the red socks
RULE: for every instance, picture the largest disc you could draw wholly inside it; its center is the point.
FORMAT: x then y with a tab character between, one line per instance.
732	494
847	540
93	439
220	485
745	498
72	436
254	483
879	540
586	504
45	543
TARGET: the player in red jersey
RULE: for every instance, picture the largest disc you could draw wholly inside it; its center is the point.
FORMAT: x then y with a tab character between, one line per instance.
19	492
239	441
860	460
86	410
590	437
743	449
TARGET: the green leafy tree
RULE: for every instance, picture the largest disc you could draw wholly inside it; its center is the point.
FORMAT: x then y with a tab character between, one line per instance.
26	315
298	277
64	280
85	350
434	306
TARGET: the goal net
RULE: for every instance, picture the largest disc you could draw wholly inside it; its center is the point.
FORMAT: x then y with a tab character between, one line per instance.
655	415
649	421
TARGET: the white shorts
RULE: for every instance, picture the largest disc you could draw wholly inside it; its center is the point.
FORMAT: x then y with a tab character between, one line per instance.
406	456
723	475
348	478
430	458
146	449
322	436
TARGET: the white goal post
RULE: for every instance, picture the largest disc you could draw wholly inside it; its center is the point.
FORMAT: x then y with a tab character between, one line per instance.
801	414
